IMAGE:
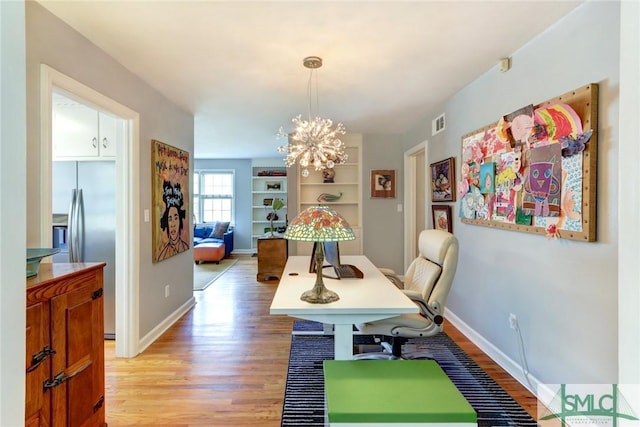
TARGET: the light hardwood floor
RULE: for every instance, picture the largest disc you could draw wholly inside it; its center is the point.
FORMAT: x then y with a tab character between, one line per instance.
225	363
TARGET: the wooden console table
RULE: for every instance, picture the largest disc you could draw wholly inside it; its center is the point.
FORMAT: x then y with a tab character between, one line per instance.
272	257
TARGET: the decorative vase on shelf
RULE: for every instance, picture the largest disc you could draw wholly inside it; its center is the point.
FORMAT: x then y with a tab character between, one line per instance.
328	174
276	205
326	197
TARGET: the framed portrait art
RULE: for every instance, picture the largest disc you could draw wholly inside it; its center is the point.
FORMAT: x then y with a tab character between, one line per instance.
443	180
441	215
170	198
383	183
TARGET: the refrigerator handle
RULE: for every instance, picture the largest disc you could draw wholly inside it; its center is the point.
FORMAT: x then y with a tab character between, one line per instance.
70	225
80	227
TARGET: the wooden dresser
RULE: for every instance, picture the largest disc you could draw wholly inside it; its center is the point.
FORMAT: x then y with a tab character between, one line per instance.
65	346
272	257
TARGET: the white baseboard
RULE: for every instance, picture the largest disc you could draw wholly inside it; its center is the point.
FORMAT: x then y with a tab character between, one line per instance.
243	251
162	327
512	367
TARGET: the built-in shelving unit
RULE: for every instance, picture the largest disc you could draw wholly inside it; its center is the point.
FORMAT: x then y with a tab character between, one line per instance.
268	181
348	181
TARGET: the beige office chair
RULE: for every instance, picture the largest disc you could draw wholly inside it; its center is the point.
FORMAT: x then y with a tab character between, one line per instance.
427	282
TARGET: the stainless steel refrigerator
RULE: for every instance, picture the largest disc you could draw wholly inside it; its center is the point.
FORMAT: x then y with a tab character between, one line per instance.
84	193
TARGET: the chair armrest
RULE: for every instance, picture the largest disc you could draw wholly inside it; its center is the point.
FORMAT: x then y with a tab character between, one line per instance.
393	277
227	238
429	311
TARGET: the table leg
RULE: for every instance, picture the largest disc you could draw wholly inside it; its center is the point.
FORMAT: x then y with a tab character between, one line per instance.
343	342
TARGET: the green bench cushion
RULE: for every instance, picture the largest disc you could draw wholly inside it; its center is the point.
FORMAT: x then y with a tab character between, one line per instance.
392	391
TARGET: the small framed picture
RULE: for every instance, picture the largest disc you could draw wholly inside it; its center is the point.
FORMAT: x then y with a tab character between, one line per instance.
383	183
273	185
441	215
443	180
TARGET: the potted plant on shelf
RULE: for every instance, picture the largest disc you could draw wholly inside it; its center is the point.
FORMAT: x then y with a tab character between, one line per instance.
272	216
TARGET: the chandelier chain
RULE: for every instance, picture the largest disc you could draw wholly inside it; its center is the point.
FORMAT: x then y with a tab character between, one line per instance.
312	74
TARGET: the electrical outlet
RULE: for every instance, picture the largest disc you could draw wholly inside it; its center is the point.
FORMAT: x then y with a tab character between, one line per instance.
513	321
166	291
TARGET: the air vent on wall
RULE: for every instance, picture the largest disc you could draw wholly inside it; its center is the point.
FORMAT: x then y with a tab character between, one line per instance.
437	124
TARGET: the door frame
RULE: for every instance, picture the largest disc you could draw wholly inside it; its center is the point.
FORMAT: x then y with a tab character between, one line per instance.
410	195
127	205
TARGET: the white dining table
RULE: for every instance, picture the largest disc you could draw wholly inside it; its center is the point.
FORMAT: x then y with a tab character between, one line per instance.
371	298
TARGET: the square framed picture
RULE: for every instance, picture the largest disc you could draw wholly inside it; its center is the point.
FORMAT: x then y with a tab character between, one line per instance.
443	181
383	183
441	215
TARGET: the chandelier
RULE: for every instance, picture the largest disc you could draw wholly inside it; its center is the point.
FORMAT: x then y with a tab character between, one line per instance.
313	142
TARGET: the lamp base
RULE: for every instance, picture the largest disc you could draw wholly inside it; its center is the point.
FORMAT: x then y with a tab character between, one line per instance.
319	296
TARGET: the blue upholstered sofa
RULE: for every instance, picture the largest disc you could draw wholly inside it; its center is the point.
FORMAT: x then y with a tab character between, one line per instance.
210	232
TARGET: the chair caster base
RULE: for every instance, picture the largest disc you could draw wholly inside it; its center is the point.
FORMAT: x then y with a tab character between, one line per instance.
376	356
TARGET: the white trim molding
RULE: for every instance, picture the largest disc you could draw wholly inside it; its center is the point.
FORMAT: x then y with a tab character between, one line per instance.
163	326
127	206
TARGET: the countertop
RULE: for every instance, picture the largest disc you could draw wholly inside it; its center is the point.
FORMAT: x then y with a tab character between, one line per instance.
50	272
60	220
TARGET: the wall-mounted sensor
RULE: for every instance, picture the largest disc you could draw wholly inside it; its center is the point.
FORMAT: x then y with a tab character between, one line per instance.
505	64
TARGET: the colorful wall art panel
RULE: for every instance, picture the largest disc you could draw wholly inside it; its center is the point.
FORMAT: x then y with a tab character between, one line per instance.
534	170
487	177
542	183
519	125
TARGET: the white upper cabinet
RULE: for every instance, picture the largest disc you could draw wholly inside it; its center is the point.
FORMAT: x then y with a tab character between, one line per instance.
110	131
83	133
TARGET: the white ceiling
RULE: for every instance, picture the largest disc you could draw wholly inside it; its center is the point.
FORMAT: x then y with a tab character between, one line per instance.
237	65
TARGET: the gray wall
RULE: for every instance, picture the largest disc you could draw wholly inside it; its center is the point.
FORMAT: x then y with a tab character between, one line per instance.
52	42
242	208
629	210
383	225
563	292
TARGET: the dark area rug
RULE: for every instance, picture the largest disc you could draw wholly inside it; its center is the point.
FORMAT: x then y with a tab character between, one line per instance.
304	393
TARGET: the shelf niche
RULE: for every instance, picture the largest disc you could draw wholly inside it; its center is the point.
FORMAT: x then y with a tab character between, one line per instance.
348	181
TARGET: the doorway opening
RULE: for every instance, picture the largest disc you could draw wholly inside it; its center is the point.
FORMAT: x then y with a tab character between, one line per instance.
127	205
415	212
